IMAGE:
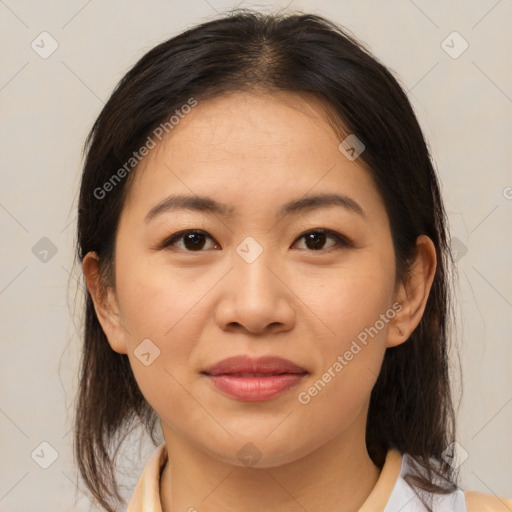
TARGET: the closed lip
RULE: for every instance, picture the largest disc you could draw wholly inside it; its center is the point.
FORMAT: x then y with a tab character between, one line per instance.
246	366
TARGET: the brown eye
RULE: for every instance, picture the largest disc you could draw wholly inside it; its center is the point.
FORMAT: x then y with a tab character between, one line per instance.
315	240
194	241
190	240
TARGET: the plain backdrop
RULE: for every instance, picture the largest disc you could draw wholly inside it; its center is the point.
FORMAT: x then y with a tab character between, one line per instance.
460	86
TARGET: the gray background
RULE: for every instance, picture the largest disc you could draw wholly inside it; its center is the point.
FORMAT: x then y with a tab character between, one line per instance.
464	105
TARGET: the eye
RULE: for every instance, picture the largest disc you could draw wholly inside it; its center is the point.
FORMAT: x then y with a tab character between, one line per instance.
192	240
195	240
316	239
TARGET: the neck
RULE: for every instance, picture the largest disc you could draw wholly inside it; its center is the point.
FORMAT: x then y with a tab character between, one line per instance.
337	476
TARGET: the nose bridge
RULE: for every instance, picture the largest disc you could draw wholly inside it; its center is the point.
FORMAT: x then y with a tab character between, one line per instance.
251	270
254	297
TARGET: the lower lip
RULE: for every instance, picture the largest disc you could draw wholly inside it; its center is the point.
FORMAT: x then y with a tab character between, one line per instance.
255	389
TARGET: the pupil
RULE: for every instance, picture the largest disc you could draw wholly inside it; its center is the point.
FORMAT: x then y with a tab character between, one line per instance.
195	240
318	240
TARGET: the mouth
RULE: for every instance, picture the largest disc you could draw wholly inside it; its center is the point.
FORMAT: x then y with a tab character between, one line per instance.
254	380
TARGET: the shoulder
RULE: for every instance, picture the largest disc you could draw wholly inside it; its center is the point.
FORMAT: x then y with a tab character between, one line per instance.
479	502
457	501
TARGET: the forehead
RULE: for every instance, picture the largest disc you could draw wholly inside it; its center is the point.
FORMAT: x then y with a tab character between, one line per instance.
248	148
239	124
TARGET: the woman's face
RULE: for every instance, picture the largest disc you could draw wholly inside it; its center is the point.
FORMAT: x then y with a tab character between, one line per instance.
253	282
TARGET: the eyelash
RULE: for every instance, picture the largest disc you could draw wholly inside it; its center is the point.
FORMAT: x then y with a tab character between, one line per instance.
341	240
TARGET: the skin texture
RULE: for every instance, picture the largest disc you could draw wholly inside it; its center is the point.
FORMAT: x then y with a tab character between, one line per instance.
255	152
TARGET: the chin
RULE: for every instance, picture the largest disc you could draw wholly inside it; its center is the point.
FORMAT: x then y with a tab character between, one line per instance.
260	451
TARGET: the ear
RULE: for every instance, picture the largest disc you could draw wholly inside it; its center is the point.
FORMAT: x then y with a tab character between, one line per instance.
413	294
105	304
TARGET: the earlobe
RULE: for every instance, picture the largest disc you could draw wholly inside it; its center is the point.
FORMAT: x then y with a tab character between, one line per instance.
397	333
105	304
414	292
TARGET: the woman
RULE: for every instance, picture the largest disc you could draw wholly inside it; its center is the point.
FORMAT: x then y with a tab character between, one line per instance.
265	250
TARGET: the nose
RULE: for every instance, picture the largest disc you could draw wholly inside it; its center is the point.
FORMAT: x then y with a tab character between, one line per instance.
255	298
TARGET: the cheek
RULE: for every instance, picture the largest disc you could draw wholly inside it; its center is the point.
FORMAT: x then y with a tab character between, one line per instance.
158	306
356	307
161	314
353	299
157	301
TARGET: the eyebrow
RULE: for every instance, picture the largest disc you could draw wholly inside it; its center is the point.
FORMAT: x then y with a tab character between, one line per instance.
209	205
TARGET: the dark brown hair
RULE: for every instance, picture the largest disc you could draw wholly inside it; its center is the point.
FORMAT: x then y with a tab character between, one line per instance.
410	407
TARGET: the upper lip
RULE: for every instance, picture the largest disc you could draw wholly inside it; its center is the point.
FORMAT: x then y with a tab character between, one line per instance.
249	365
